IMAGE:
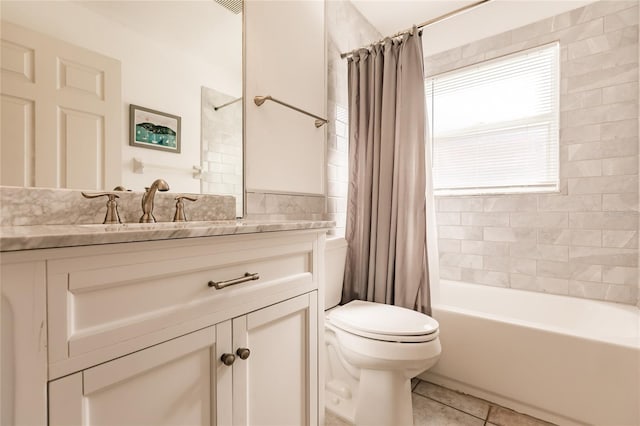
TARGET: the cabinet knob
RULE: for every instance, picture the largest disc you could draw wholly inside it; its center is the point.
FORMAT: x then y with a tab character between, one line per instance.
243	353
228	359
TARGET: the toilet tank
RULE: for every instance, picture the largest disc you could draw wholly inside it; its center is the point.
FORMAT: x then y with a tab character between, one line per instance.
335	256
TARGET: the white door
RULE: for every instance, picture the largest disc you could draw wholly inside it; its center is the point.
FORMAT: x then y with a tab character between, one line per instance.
278	383
179	382
61	113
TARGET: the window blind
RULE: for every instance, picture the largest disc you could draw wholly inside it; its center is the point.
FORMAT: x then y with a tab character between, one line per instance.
494	125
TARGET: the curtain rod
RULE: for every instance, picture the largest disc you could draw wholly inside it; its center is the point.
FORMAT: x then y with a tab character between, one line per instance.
427	23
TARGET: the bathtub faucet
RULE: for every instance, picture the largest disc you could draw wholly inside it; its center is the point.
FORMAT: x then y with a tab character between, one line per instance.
147	200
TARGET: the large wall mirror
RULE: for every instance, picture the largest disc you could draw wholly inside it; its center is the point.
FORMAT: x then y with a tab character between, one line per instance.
179	58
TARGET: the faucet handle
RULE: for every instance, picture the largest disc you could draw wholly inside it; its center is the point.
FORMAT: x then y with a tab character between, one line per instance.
112	215
180	216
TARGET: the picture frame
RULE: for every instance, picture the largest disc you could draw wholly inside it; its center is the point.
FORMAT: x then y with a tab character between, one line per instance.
153	129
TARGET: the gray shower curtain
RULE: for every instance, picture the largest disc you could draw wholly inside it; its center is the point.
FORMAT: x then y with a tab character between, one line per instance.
386	212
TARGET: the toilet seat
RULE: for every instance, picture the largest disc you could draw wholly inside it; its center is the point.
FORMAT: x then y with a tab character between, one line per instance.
383	322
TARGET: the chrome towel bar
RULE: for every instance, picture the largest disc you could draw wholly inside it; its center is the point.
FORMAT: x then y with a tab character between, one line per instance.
259	100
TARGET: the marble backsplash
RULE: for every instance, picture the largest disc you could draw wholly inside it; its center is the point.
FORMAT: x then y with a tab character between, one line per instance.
269	206
44	206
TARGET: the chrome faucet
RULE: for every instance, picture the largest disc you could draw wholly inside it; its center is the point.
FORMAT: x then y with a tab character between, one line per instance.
147	199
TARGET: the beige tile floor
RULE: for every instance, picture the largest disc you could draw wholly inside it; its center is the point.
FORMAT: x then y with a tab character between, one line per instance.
434	405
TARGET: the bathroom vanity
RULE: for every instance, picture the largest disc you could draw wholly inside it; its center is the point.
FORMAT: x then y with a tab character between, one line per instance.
138	324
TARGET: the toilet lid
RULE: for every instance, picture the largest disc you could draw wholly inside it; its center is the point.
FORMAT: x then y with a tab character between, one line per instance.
384	322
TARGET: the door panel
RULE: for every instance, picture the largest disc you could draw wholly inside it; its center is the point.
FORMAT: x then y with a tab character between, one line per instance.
17	166
82	142
74	76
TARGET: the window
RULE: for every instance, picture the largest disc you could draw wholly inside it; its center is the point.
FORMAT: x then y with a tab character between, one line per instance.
494	125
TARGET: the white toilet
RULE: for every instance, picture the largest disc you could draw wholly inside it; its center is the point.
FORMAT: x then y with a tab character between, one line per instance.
372	352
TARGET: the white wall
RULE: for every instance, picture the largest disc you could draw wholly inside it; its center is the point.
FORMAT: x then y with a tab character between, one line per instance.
153	75
285	58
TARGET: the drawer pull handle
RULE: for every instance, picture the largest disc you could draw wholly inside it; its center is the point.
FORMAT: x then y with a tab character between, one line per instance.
228	359
243	353
219	285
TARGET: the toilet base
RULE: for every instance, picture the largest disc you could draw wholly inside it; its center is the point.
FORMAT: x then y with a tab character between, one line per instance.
341	383
384	399
342	407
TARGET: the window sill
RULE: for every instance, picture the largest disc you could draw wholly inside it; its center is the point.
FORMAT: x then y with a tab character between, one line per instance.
492	193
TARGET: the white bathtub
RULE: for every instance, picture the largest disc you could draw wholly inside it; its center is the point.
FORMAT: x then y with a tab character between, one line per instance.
566	360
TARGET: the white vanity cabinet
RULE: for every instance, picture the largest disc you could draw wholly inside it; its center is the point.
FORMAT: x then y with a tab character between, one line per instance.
184	381
136	334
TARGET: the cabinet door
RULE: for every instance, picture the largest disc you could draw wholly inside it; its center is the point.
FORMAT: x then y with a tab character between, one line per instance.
175	383
23	340
278	383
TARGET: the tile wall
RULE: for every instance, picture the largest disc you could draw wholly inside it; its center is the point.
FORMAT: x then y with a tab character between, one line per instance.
221	146
347	29
582	241
269	206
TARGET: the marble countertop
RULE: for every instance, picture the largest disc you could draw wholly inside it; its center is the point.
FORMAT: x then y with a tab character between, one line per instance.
14	238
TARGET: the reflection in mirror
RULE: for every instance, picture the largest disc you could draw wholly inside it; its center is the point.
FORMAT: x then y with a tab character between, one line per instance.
222	145
170	54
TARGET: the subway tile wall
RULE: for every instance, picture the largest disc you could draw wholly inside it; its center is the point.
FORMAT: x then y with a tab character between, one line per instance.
582	241
347	29
221	146
271	206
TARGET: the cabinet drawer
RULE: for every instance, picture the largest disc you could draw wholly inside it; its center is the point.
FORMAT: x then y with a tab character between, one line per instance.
106	306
